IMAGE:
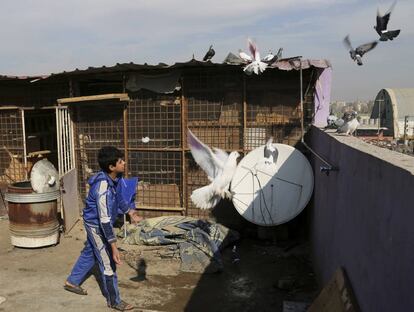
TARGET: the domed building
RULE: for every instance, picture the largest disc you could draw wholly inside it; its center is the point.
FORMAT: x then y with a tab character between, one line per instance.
395	109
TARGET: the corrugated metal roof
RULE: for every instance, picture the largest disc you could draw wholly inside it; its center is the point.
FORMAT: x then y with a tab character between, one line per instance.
31	78
282	64
405	101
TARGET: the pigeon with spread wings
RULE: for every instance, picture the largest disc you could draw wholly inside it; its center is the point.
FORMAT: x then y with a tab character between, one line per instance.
219	167
255	64
356	54
382	24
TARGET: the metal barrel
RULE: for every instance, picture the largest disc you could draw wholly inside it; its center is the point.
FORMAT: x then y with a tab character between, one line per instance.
32	216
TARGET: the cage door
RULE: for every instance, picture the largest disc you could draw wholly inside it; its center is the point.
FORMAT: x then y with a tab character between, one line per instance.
65	143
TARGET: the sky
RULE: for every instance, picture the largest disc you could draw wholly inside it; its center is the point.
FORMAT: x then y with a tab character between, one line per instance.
49	36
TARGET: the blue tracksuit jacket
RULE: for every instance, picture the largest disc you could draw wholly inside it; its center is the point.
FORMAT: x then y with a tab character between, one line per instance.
103	204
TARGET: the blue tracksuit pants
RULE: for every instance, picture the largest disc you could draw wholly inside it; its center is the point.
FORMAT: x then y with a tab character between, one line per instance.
97	250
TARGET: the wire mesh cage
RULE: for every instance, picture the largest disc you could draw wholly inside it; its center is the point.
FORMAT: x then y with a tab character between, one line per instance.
12	152
160	181
214	107
154	151
154	121
223	107
96	125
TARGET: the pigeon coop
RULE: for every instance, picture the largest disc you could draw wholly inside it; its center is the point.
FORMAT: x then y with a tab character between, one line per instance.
221	105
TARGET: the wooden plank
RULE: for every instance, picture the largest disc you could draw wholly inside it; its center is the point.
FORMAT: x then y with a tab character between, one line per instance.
16	107
99	97
70	200
336	296
160	208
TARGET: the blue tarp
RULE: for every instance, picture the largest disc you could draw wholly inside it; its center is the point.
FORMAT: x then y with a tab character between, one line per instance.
199	241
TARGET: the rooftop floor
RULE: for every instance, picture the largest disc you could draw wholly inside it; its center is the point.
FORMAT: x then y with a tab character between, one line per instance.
35	277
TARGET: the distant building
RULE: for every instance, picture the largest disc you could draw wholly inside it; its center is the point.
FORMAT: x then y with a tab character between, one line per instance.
395	108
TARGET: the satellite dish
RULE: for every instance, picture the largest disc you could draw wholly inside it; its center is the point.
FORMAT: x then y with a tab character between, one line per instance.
44	177
272	194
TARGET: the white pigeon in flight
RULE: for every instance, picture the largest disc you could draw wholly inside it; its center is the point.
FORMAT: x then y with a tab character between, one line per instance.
220	168
256	66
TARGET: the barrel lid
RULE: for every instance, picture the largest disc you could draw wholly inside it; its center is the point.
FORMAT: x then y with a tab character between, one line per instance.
44	177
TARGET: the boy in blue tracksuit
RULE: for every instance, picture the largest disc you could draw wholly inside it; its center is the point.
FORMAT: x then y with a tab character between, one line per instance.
103	204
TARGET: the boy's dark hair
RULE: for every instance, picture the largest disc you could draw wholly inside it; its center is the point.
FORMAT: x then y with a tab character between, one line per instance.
109	155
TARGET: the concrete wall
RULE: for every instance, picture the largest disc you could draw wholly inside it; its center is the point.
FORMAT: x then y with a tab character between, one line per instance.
362	218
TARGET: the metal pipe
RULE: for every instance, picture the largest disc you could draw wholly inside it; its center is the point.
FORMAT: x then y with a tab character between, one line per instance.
379	114
24	145
328	167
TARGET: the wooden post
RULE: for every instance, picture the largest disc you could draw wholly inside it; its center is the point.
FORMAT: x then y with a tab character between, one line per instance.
183	147
125	145
126	139
26	176
125	128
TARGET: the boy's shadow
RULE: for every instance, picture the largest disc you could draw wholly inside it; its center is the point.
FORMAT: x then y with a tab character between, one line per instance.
141	271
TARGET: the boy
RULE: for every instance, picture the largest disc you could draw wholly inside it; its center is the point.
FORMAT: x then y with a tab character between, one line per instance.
103	204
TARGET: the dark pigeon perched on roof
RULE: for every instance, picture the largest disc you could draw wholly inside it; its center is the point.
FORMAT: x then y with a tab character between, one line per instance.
209	55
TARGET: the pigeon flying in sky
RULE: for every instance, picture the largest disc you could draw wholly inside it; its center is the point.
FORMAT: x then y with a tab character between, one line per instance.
381	27
209	55
356	54
256	66
220	168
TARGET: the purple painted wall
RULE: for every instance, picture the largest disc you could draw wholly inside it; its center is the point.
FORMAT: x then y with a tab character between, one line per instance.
362	218
322	96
